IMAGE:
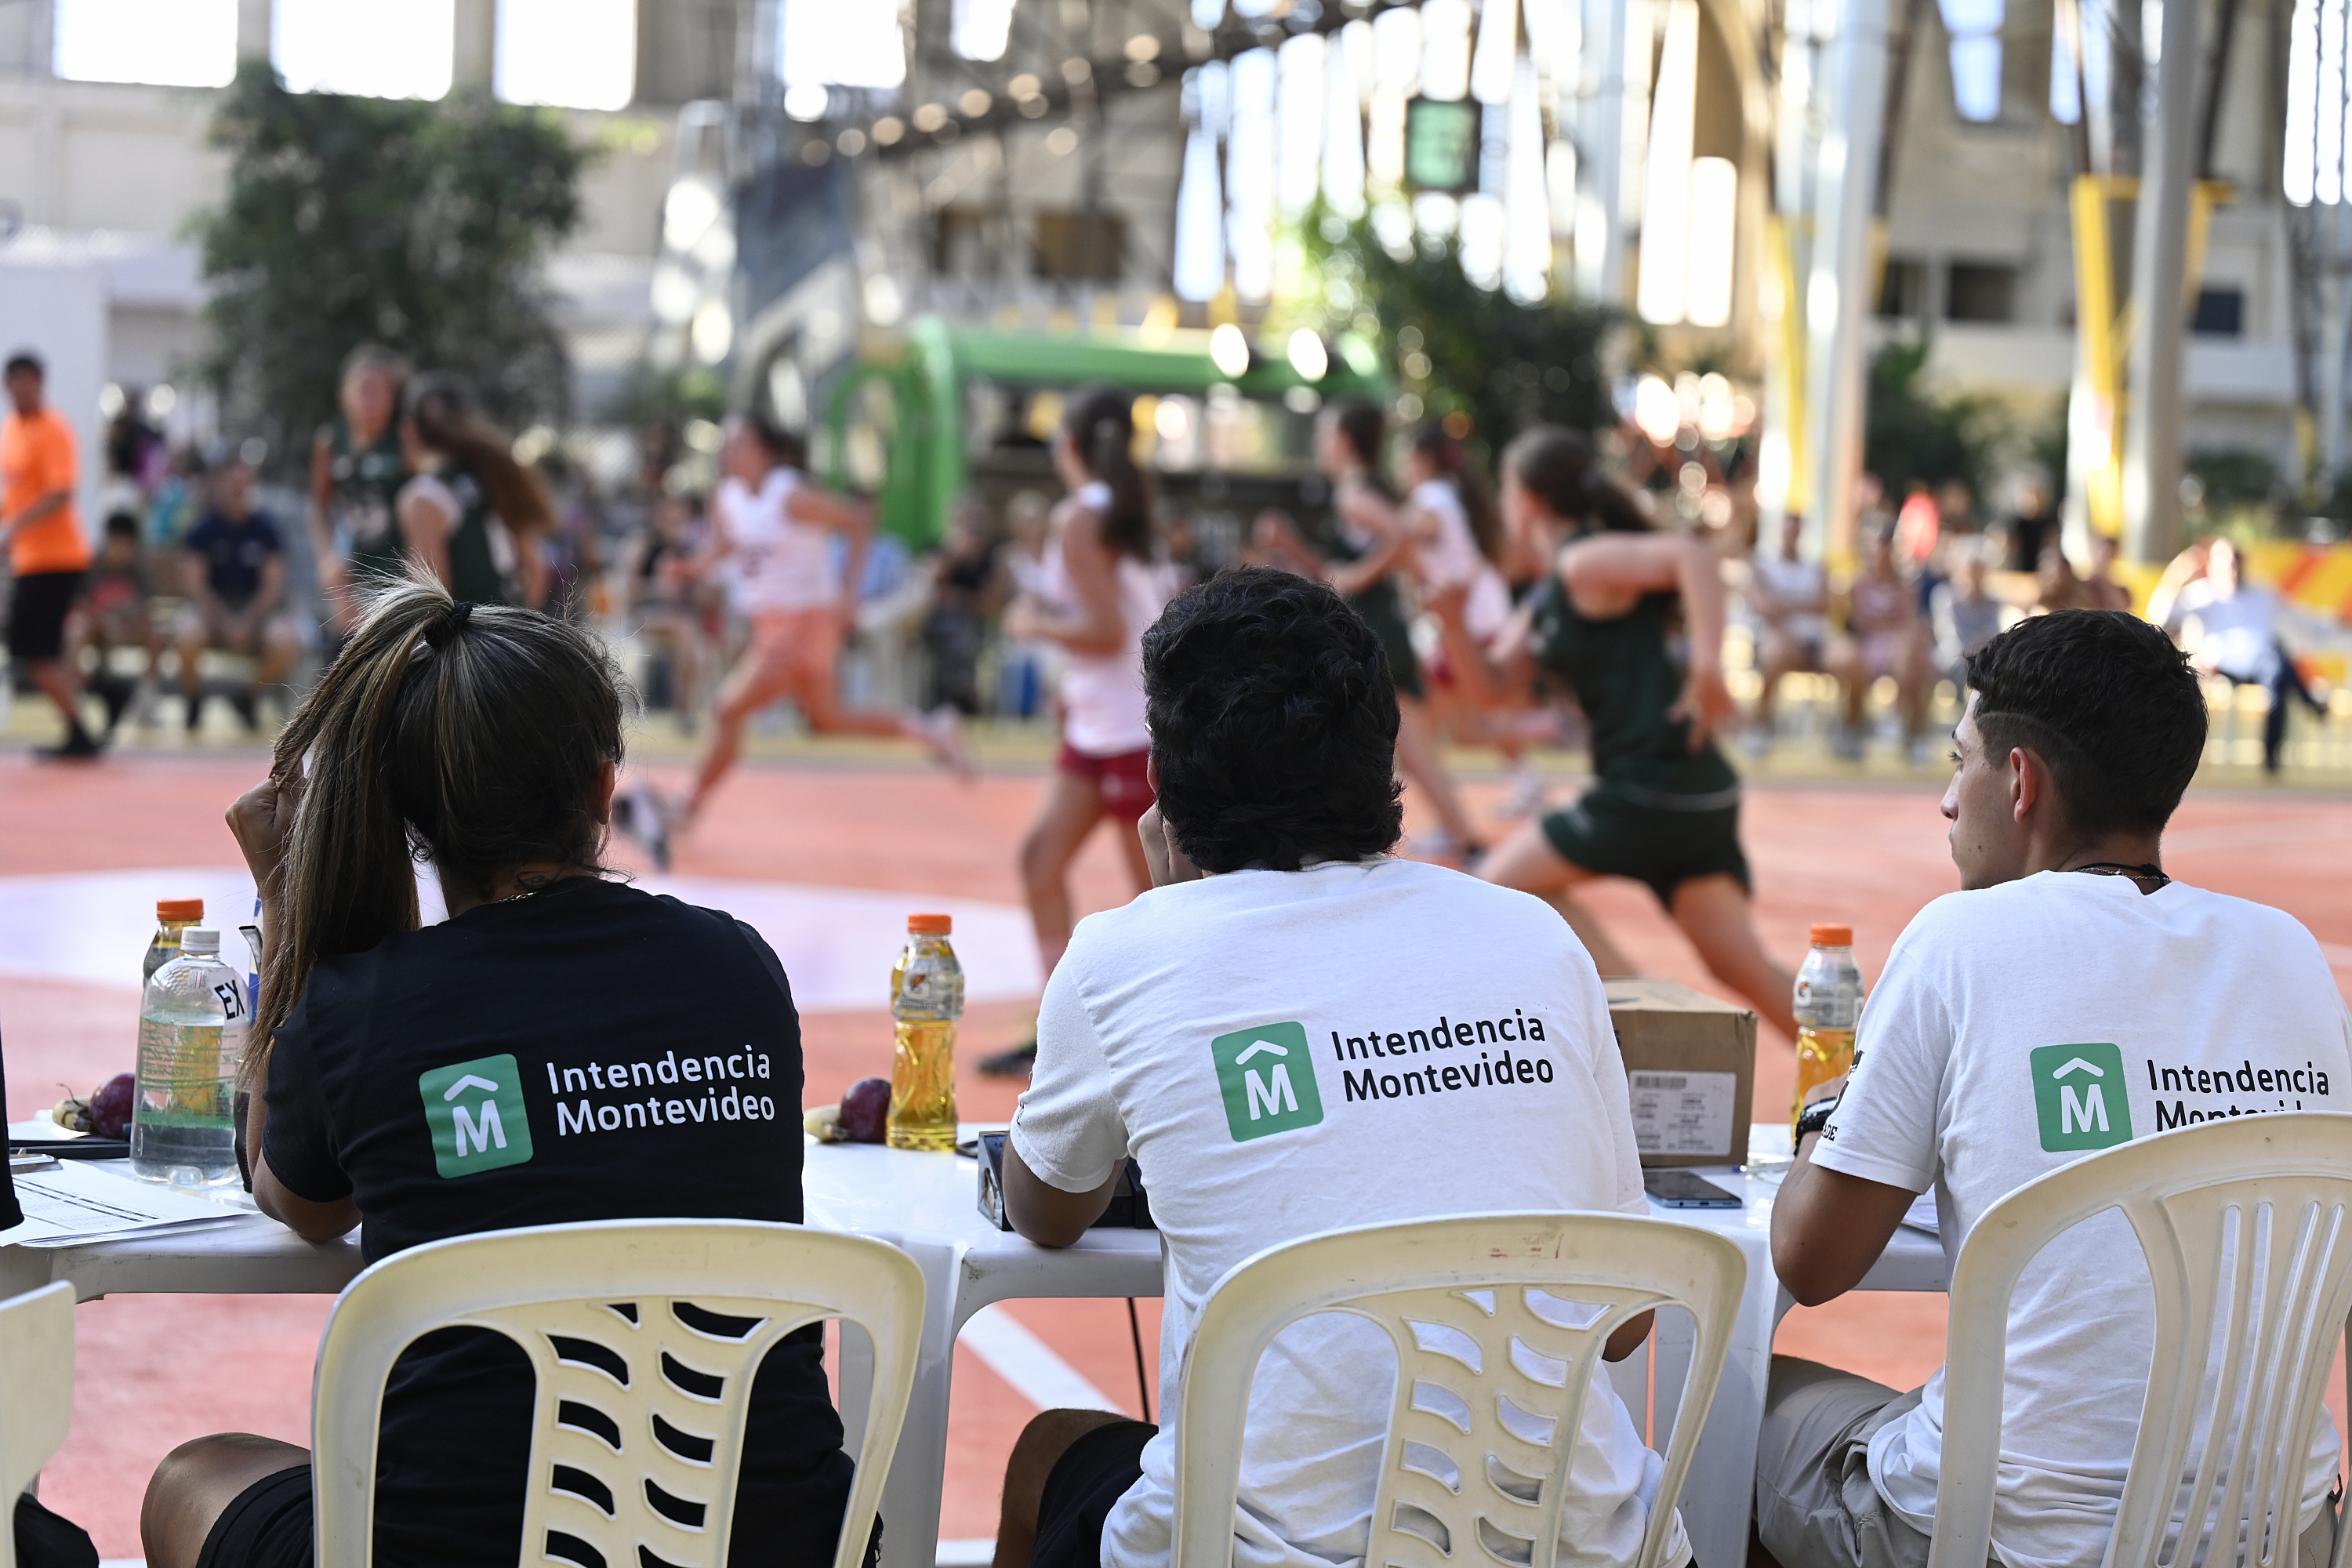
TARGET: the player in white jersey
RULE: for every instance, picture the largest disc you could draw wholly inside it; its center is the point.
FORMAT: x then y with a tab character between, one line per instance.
776	529
1102	586
1450	506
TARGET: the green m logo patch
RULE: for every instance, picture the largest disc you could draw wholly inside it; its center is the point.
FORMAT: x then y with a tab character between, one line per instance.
1267	1077
475	1112
2080	1097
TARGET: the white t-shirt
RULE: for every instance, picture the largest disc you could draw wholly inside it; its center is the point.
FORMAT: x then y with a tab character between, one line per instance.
2241	630
781	565
1974	1077
1102	693
1139	1041
1793	583
1453	559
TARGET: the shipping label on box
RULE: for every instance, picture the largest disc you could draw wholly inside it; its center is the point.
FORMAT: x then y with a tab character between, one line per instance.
1682	1112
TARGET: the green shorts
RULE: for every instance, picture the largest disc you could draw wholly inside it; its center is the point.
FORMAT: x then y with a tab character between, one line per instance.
1612	835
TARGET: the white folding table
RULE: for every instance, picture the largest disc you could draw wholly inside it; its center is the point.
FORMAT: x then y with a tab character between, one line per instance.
928	1205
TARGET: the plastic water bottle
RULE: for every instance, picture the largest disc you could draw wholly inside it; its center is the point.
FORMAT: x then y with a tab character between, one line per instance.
926	998
1827	1002
192	1028
173	917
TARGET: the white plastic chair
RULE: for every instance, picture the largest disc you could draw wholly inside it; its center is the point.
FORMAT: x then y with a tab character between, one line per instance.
37	1360
1487	1312
638	1426
2247	1225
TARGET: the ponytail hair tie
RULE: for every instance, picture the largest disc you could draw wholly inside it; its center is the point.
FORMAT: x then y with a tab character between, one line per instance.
460	612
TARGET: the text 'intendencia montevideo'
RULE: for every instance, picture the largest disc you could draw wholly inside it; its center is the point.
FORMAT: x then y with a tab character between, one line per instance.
1490	1069
719	1091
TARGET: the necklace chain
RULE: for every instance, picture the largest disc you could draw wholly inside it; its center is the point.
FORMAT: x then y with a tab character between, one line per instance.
2150	872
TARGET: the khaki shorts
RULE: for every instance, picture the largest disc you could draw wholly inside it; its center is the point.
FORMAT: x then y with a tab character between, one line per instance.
1816	1506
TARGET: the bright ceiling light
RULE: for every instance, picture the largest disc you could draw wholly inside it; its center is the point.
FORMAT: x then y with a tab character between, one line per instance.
1308	357
1230	352
713	332
687	213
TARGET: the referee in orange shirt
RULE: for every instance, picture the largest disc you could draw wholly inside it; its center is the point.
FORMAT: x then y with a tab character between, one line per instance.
47	552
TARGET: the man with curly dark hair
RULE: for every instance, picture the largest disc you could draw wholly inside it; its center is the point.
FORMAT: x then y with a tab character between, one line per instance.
1292	1033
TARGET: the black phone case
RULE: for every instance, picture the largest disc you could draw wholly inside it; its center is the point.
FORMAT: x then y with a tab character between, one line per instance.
1130	1204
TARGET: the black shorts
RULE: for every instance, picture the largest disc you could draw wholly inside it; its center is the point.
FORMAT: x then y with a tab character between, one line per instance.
37	605
1607	833
267	1525
1089	1478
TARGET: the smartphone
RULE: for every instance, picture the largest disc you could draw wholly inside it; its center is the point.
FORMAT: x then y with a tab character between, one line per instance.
1129	1208
1678	1189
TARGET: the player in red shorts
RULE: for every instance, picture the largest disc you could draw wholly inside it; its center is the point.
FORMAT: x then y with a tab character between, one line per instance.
1104	584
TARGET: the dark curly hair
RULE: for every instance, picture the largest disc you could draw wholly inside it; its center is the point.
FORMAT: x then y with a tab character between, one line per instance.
2107	701
1274	724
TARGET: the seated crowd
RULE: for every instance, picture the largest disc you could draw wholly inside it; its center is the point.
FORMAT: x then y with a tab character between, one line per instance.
489	737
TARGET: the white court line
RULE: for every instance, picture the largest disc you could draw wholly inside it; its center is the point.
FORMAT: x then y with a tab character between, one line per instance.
1025	1361
2338	956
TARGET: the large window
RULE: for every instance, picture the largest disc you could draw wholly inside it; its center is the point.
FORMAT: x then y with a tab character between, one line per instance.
365	48
167	43
572	54
841	43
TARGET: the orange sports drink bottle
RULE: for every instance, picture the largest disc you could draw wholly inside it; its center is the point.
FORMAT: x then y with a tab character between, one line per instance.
1827	1002
926	998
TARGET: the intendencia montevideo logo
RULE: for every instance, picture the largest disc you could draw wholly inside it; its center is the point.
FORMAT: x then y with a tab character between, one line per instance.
475	1112
1268	1078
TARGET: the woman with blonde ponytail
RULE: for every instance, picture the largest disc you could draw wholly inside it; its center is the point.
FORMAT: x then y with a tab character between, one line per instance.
578	1019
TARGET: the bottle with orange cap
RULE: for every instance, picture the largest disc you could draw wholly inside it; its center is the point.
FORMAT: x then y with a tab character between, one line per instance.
925	998
172	916
1827	1003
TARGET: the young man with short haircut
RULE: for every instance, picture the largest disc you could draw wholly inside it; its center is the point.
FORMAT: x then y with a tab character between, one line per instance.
47	552
2072	997
1293	1033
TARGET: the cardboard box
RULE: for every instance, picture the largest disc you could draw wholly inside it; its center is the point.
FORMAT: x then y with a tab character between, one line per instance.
1690	1062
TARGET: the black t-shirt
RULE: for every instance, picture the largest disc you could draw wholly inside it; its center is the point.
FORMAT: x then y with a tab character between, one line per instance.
234	551
592	1052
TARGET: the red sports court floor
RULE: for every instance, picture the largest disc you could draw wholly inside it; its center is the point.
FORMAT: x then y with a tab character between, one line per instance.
153	1371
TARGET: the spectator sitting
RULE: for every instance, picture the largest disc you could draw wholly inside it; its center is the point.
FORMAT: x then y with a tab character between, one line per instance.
1274	724
1885	636
114	615
1963	616
237	596
2102	590
488	736
666	603
2082	731
967	584
1027	670
2030	529
1789	597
